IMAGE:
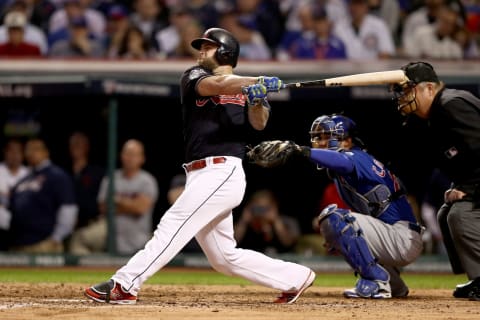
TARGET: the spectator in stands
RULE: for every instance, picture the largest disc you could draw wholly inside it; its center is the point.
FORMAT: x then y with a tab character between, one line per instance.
336	11
79	44
188	32
437	40
150	16
86	178
204	11
264	17
261	226
134	46
174	40
466	39
315	41
135	195
425	14
61	19
117	25
39	12
33	34
42	204
15	44
366	36
252	44
388	11
472	19
12	170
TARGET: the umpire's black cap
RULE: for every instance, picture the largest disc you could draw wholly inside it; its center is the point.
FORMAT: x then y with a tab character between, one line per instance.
420	72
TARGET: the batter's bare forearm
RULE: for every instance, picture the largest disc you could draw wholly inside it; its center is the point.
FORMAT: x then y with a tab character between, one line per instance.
226	84
258	116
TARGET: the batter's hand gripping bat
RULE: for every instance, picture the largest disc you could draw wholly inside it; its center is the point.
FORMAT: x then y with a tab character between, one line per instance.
359	79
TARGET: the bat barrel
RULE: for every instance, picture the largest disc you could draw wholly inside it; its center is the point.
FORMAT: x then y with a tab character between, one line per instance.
360	79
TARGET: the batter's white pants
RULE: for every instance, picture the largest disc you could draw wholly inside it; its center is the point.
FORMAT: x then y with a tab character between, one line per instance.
204	211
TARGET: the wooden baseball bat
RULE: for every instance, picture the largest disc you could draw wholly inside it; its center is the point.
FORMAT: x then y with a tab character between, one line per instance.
359	79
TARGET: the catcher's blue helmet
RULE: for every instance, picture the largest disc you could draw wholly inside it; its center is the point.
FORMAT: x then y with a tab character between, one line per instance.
335	128
322	128
345	127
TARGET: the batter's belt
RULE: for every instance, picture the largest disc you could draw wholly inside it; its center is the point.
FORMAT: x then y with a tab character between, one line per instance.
202	163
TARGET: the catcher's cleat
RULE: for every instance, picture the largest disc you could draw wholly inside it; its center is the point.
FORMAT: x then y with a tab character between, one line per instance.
370	289
110	292
464	290
292	296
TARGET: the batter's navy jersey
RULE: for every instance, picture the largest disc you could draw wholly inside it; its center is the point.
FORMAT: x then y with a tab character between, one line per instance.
369	173
35	201
213	126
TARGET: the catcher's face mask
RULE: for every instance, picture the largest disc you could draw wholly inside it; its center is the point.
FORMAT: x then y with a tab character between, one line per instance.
405	96
325	133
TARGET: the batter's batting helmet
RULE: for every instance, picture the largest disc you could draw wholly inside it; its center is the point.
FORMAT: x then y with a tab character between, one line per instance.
228	47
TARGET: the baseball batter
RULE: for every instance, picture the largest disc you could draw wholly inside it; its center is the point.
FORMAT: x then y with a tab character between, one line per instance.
216	116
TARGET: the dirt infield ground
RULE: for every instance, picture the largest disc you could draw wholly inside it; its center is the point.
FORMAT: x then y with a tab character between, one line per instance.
66	301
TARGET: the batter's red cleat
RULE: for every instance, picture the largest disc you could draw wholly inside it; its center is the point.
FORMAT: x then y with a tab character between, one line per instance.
292	296
110	292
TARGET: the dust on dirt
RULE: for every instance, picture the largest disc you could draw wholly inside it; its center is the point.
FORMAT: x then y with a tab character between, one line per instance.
66	301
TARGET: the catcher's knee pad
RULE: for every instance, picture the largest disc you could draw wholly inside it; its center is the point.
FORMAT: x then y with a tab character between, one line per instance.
339	231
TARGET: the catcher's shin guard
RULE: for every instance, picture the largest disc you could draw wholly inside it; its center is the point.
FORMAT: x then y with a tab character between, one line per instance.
337	227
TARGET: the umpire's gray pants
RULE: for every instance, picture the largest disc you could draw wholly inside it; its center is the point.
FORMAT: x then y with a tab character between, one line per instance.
460	225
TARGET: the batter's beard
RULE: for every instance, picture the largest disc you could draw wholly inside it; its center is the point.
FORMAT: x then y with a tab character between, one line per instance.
207	63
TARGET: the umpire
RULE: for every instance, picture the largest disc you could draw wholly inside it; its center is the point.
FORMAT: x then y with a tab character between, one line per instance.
454	124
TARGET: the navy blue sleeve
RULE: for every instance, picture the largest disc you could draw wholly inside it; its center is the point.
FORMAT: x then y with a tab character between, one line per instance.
334	160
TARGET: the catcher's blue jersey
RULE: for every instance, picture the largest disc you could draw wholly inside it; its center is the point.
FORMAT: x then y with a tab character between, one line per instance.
370	176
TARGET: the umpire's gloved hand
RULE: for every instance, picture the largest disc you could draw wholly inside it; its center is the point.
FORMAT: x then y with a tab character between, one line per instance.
255	93
273	84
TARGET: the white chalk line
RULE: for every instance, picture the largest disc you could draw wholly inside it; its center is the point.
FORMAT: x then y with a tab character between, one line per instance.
40	302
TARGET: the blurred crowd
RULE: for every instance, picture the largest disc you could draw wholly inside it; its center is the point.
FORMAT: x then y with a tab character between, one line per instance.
267	29
50	208
47	208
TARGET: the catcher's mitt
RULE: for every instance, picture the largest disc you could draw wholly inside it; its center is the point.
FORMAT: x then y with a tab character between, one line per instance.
272	153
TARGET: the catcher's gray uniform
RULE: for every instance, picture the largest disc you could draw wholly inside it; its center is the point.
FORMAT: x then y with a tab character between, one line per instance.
382	234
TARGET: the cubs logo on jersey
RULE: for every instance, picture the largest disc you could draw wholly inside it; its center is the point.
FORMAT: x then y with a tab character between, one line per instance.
378	168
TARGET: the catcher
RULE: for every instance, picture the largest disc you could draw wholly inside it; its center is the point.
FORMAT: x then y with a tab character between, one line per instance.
381	234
